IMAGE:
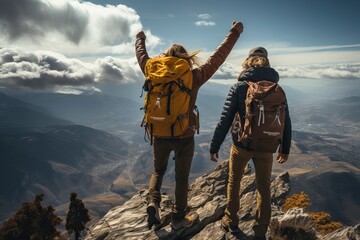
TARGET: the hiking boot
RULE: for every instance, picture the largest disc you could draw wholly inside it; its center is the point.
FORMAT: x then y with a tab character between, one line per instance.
259	232
153	214
188	221
234	230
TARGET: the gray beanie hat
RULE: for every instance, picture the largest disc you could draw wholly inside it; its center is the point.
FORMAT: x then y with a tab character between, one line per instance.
258	51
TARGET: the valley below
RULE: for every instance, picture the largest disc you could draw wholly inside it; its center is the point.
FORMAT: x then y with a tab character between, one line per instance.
102	155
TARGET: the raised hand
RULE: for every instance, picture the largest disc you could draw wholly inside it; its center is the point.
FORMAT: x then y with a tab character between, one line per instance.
141	35
238	26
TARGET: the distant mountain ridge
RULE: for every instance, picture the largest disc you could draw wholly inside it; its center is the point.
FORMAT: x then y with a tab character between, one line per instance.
344	108
17	113
56	161
93	109
41	153
323	128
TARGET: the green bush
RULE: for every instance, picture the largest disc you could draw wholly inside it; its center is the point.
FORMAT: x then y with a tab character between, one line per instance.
32	221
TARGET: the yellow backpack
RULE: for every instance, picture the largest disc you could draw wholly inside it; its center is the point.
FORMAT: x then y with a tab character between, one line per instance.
168	89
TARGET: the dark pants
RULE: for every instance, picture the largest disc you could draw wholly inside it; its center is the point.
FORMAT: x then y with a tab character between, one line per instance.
263	161
184	152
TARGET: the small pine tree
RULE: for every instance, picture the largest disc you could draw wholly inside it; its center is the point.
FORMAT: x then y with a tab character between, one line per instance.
77	216
32	221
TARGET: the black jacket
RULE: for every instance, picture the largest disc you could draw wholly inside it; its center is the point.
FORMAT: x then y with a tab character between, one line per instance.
235	102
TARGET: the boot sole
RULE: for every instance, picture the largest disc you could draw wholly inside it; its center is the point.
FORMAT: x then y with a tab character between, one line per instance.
151	212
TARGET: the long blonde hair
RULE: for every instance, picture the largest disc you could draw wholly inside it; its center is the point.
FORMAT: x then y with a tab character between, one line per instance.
254	62
179	51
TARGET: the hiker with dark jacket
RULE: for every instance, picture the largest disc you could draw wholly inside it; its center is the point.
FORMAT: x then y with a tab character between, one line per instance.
255	68
183	145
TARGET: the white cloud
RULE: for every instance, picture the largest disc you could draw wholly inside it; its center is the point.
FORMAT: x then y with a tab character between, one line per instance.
283	54
325	71
229	71
226	71
70	27
290	50
205	23
204	20
112	70
75	90
309	62
306	58
204	16
50	71
42	70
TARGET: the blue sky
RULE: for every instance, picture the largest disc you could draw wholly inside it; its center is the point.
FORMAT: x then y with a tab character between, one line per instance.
47	44
277	24
301	23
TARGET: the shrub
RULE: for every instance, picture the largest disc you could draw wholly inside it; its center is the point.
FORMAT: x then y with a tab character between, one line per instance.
301	200
323	223
32	221
322	220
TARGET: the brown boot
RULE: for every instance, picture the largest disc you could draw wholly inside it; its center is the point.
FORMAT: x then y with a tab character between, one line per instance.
188	221
234	230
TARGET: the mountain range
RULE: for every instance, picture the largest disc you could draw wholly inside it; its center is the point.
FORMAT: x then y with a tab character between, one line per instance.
38	155
91	143
17	113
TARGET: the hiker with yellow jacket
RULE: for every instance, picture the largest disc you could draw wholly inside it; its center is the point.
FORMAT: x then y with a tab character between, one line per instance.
189	76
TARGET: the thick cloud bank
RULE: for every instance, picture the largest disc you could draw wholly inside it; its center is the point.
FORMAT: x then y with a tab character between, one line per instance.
325	71
70	25
112	70
334	71
47	70
42	70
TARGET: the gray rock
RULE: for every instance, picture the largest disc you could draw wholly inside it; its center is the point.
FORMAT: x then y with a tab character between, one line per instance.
207	196
294	224
346	233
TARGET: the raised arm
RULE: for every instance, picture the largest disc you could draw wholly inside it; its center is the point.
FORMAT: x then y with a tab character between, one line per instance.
140	49
204	72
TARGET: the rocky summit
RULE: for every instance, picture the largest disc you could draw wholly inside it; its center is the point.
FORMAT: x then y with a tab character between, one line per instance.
207	196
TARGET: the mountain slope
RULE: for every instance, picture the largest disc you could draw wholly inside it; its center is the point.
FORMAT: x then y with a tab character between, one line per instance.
41	153
326	169
207	197
93	109
334	192
56	161
16	113
315	161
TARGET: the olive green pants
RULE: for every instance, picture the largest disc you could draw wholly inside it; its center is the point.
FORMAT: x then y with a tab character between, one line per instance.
263	161
184	152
